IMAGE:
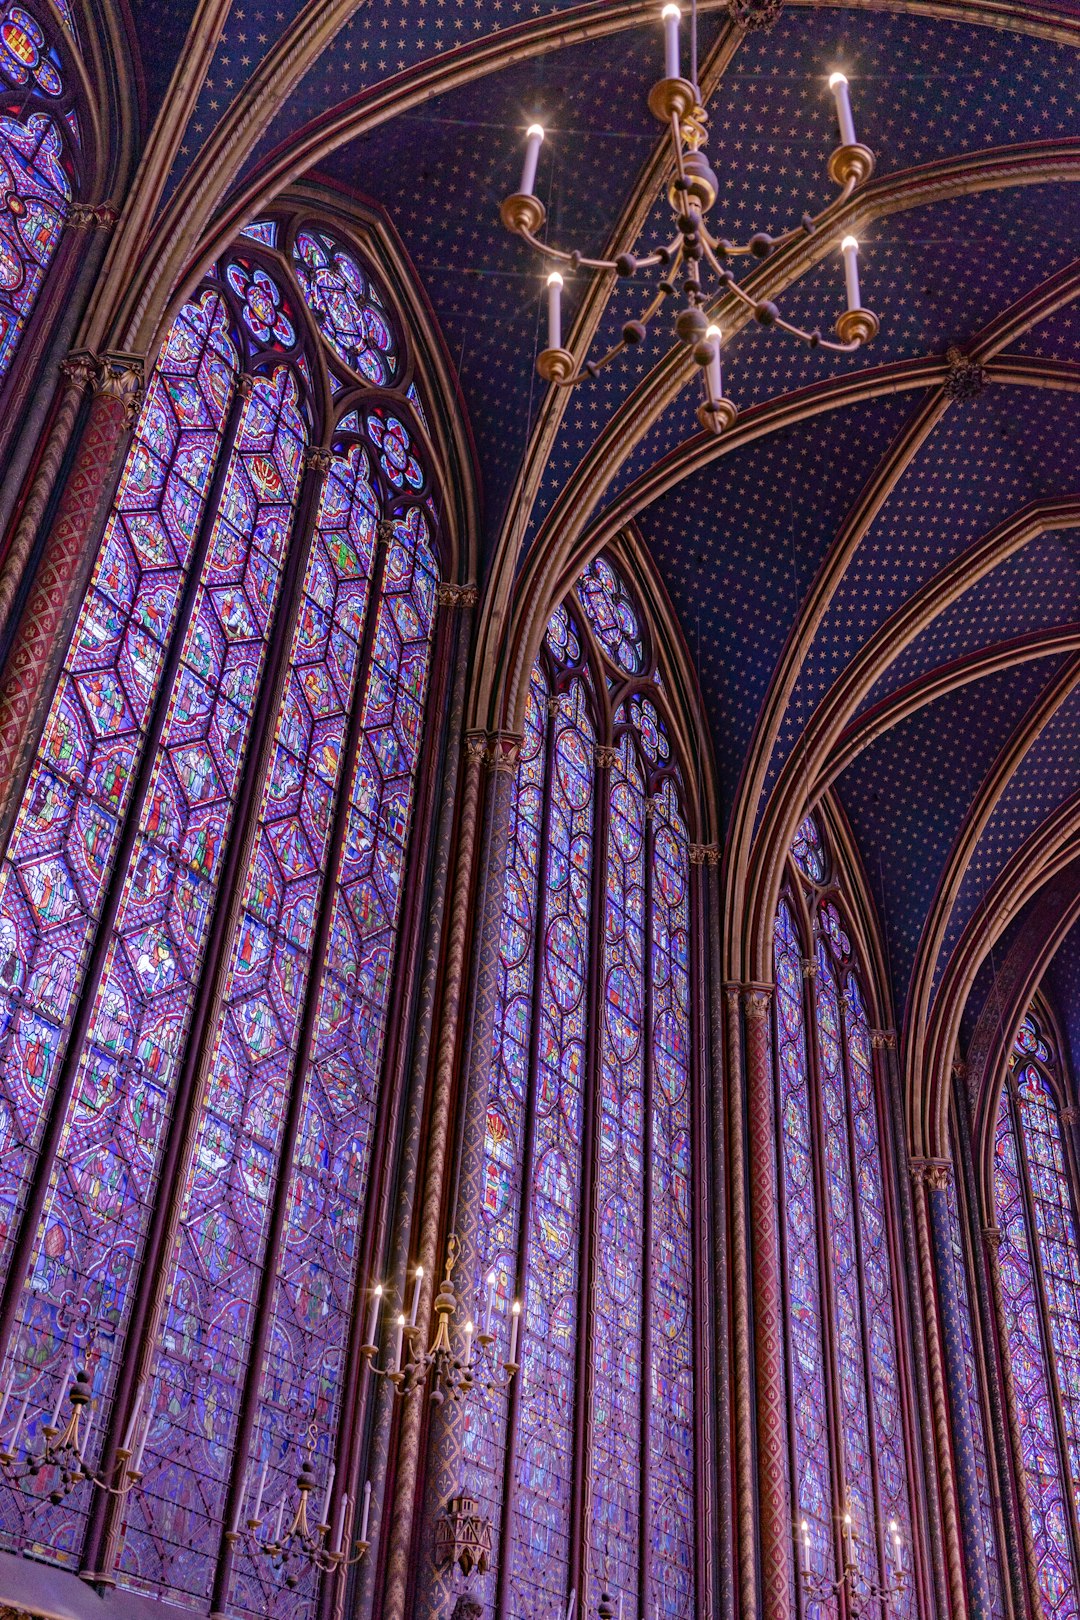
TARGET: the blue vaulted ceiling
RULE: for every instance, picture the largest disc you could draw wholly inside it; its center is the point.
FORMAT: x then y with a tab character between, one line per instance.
742	540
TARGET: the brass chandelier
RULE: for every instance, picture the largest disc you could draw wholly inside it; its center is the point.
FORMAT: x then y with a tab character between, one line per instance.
676	102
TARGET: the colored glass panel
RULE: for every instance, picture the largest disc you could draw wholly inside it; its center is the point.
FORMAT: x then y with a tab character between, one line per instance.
347	306
67	832
671	1374
617	1292
227	1199
987	1517
35	192
612	615
545	1456
306	1363
813	1475
1028	1357
808	850
102	1190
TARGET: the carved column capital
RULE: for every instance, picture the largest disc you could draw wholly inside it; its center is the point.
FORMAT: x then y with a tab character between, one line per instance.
883	1040
756	1001
704	855
606	758
384	531
476	746
1070	1114
79	367
934	1173
809	967
85	216
504	748
991	1236
319	460
450	595
120	377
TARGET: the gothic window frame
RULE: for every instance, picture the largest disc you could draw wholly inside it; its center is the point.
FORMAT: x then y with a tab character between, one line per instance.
817	875
299	348
610	686
1053	1069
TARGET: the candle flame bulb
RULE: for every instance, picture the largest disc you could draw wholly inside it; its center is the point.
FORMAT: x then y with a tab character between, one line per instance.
670	17
515	1328
842	96
376	1306
418	1280
554	287
534	140
712	371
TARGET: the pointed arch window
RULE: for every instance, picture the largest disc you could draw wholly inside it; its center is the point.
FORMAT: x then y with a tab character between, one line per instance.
587	1190
1039	1256
848	1447
201	910
41	160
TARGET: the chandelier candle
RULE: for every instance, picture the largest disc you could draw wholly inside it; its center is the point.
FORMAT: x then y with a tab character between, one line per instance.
515	1328
366	1514
842	96
554	287
850	249
417	1281
534	140
715	337
671	15
329	1492
376	1306
805	1548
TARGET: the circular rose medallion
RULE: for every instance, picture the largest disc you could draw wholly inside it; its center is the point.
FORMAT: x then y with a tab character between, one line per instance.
564	962
623	1009
572	769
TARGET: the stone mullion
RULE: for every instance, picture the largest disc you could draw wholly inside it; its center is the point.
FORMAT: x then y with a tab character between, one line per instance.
772	1417
647	1217
39	642
991	1236
712	1369
606	758
921	1170
22	1250
528	1149
782	1230
967	1490
377	1410
744	1528
264	1307
989	1362
935	1581
407	1458
104	1529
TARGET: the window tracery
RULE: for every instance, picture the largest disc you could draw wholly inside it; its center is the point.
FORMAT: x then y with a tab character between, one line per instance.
40	163
848	1453
590	1123
1039	1258
200	928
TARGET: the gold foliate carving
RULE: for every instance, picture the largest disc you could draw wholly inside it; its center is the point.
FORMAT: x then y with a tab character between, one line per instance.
79	367
384	531
476	745
934	1173
120	376
84	216
606	760
704	855
450	595
503	751
883	1040
319	460
991	1236
756	1003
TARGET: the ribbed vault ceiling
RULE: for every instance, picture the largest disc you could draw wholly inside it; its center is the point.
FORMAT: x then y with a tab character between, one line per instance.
878	586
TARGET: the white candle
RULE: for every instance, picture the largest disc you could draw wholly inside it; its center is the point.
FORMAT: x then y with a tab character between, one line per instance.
489	1305
715	337
6	1397
850	249
417	1280
54	1421
620	1606
19	1422
339	1523
398	1342
572	1605
848	1559
671	15
259	1493
842	95
366	1514
805	1547
136	1461
534	140
280	1520
515	1325
554	287
129	1437
326	1502
468	1344
899	1547
376	1307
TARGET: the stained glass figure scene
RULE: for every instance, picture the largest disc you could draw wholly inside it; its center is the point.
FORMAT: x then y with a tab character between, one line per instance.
592	1045
201	909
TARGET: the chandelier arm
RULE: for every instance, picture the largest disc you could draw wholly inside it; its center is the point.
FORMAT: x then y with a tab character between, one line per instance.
815	339
575	260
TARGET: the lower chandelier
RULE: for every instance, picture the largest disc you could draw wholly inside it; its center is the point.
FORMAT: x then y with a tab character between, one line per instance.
676	102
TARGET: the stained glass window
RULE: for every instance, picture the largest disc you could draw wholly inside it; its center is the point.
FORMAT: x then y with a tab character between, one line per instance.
200	915
39	160
1039	1256
842	1305
591	1109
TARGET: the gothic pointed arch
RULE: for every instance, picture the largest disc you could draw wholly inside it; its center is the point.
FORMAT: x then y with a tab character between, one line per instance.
206	904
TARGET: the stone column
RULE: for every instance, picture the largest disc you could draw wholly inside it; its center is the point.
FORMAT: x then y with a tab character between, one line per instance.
774	1505
39	642
926	1174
